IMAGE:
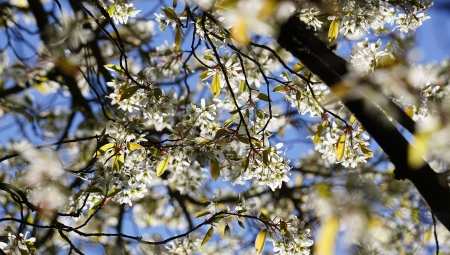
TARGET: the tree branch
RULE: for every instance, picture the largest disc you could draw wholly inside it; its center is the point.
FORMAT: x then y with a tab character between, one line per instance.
295	37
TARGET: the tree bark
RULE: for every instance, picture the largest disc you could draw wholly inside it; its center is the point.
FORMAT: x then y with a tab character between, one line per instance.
297	38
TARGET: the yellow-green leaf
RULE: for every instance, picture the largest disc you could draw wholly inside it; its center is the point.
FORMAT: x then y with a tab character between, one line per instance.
170	13
111	9
340	147
178	36
319	131
227	230
333	31
202	213
242	86
216	85
208	236
352	119
263	217
162	166
127	93
113	192
94	207
104	149
298	67
366	151
93	189
115	68
244	164
409	111
260	241
264	97
266	157
283	227
327	236
203	75
279	88
219	133
119	161
214	168
134	146
241	224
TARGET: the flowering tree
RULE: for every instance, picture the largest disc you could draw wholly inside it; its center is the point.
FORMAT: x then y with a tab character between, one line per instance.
174	128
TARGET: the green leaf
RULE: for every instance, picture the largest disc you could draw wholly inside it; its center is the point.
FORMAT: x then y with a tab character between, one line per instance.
119	162
244	164
111	10
319	131
241	224
95	207
134	146
279	88
93	189
227	230
127	93
263	97
333	31
208	236
352	119
263	217
243	139
178	36
260	241
203	75
216	85
113	192
170	13
298	67
219	133
175	3
266	157
102	151
209	58
366	151
283	227
214	168
340	147
115	68
162	166
202	213
242	86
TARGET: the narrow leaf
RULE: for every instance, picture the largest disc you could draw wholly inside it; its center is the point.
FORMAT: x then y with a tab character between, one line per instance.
340	147
134	146
202	213
319	131
227	230
127	93
264	97
333	31
170	13
208	236
216	85
260	241
178	36
266	157
244	164
279	88
214	168
115	68
241	224
93	189
298	67
162	166
104	149
327	236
